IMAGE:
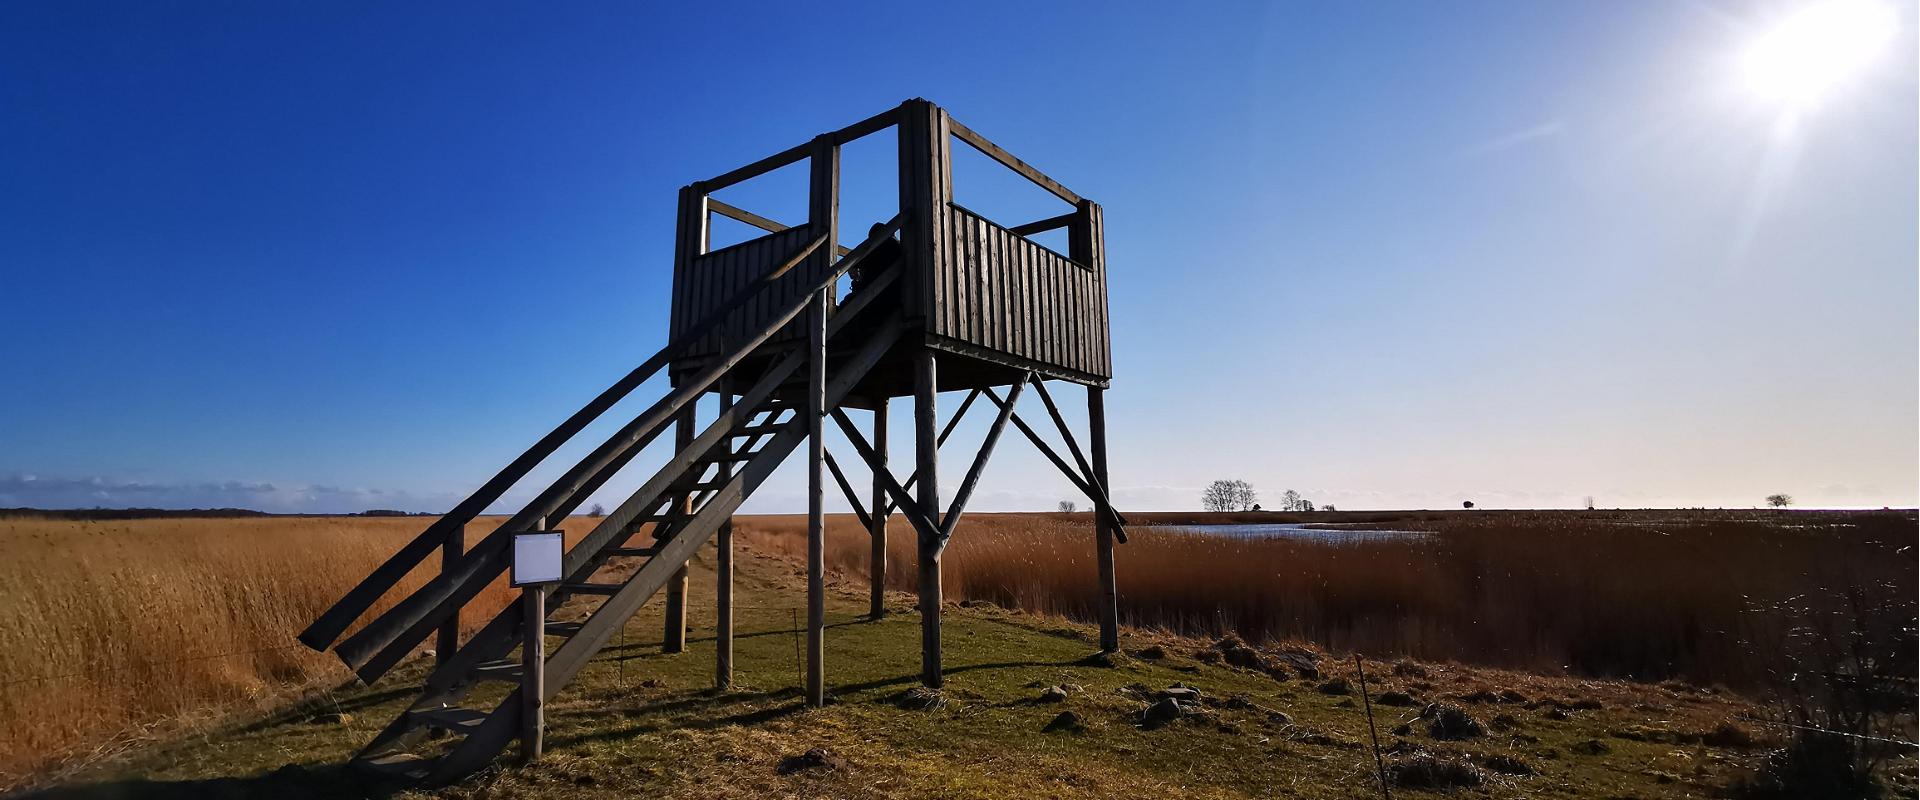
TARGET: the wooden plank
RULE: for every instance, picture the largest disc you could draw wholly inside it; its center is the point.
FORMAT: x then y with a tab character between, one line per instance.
731	211
1109	611
755	169
846	490
723	576
871	125
1060	424
921	518
448	641
877	523
960	498
927	456
1011	162
816	504
1044	225
533	721
673	634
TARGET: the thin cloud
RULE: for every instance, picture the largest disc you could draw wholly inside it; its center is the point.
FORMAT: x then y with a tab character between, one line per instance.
36	491
1509	141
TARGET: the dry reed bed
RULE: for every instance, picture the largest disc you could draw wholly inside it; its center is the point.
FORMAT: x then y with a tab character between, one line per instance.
1647	596
117	629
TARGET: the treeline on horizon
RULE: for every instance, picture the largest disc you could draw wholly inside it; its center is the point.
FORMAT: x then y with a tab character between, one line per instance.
183	513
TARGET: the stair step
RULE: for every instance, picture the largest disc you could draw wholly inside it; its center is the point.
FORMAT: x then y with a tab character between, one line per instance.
502	670
705	486
632	552
562	628
756	430
453	718
592	588
405	765
725	458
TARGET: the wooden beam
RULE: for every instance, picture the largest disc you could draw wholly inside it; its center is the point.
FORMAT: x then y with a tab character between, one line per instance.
449	639
1066	434
871	125
731	211
927	453
958	414
823	214
960	498
1044	225
1008	160
877	524
903	502
846	489
533	662
723	573
1104	527
754	170
673	635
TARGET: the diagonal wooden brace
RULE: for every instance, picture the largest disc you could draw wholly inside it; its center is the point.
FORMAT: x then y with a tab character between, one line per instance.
960	498
853	499
903	502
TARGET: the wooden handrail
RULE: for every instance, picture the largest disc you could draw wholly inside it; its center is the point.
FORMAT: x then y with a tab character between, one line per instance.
733	212
1010	161
1044	225
873	124
334	621
386	639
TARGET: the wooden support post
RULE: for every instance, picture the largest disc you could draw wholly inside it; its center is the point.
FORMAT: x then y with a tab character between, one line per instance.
449	639
823	216
877	523
533	668
816	497
723	571
927	453
1103	521
674	637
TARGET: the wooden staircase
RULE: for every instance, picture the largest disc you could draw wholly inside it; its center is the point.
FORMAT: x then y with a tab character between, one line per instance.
684	502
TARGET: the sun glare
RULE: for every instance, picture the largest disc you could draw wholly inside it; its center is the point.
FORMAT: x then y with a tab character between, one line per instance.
1816	50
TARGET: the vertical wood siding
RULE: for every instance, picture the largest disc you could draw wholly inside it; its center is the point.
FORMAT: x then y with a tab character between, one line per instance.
1006	293
708	280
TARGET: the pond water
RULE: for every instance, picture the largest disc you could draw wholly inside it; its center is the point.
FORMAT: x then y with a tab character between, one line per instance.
1298	530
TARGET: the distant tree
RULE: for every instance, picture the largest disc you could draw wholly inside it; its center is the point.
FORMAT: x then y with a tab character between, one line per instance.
1780	500
1218	496
1067	506
1256	506
1290	500
1467	504
1327	507
1244	496
1306	505
597	511
1228	495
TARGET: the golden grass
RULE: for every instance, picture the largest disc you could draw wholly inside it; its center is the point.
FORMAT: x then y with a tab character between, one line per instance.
117	630
114	630
1638	595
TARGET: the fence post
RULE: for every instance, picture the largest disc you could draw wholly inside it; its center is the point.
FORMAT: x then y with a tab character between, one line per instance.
449	639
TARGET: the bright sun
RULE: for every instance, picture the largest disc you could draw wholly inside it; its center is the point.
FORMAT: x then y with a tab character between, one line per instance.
1816	50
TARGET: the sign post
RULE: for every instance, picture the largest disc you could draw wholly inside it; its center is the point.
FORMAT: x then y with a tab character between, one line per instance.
537	558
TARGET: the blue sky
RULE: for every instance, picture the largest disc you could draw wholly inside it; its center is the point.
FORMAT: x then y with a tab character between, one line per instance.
327	257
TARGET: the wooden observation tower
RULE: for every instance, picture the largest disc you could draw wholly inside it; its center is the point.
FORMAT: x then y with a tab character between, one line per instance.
942	299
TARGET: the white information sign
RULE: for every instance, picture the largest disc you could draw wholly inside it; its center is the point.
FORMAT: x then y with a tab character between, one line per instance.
537	557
